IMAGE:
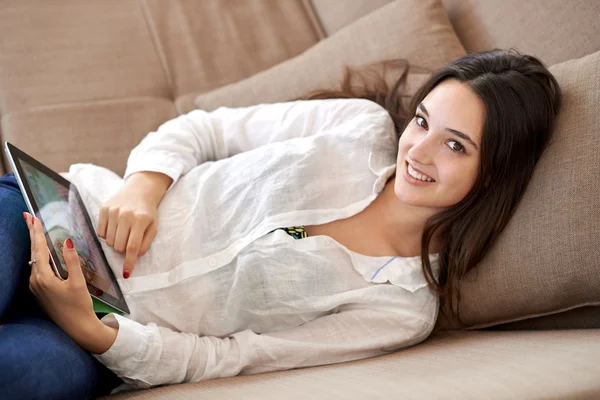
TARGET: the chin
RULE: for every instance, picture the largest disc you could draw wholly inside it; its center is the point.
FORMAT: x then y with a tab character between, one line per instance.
407	195
415	198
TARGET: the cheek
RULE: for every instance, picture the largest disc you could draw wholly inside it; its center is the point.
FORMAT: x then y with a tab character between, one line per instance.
458	178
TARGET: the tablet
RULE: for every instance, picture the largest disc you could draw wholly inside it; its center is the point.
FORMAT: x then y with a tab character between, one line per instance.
57	204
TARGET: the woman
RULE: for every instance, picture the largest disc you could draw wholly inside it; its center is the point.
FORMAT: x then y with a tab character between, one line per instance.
302	233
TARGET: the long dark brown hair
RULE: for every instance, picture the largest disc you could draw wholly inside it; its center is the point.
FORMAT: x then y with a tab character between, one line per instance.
521	99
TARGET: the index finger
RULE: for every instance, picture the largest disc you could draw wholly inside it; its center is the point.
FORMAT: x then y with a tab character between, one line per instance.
134	244
102	222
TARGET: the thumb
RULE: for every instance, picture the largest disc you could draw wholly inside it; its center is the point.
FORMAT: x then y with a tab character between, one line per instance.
72	261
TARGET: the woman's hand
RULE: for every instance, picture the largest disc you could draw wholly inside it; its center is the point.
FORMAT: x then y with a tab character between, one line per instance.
68	303
128	221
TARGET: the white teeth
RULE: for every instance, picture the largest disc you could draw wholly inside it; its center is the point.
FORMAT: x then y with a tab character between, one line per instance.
419	176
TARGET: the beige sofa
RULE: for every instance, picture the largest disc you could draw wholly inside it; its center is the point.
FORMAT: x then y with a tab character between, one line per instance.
85	81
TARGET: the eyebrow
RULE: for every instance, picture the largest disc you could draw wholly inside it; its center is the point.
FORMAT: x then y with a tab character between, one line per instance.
454	131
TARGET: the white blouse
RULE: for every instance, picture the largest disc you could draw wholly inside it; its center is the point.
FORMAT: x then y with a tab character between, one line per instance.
217	295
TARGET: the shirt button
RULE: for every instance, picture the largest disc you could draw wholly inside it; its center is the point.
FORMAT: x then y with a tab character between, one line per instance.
212	262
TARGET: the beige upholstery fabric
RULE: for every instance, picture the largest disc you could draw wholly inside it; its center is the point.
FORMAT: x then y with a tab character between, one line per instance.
209	43
375	37
554	30
333	17
546	260
101	132
449	365
578	318
57	52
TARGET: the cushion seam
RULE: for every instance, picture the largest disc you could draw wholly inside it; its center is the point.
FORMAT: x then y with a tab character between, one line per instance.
531	316
314	19
157	45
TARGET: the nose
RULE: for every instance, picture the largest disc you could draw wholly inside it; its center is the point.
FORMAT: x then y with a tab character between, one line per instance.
421	152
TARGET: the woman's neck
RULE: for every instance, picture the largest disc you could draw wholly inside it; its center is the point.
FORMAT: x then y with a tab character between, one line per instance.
400	224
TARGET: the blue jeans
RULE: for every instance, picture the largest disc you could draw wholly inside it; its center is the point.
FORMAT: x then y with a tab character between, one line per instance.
37	359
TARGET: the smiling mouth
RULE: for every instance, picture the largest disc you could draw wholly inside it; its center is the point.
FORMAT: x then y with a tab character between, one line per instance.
417	175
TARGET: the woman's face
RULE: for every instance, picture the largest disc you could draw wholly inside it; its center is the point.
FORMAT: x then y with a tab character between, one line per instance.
442	142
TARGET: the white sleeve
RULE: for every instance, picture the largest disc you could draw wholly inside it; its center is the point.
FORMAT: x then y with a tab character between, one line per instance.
199	136
146	356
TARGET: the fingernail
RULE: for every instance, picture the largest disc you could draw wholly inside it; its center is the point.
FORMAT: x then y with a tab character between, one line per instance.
25	216
32	220
69	243
125	274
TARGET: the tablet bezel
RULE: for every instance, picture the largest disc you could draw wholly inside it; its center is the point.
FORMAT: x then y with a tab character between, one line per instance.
15	156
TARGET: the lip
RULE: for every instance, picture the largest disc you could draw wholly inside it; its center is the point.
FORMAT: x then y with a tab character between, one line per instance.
411	180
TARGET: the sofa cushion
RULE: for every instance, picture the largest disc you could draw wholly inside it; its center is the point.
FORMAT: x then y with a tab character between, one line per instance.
417	30
57	52
577	318
448	365
98	132
210	43
546	260
553	30
333	17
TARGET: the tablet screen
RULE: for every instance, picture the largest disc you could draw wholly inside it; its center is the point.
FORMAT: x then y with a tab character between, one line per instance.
63	218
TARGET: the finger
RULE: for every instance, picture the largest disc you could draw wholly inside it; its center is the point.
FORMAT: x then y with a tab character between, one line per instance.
42	254
102	222
32	249
111	229
72	260
134	245
151	232
122	234
34	244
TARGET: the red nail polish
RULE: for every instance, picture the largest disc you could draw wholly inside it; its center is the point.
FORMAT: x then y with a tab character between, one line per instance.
69	243
125	274
25	216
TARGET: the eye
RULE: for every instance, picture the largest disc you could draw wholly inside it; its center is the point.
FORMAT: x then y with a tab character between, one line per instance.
456	146
419	120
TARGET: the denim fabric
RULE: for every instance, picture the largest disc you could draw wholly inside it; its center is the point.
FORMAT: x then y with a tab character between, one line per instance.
37	359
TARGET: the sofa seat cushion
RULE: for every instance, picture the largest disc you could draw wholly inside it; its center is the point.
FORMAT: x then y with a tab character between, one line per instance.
448	365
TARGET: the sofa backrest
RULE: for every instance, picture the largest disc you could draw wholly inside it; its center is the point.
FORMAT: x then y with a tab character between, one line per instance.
86	80
553	30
